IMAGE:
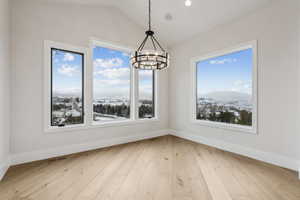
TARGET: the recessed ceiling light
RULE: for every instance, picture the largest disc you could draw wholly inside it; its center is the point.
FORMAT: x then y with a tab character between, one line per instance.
188	3
168	17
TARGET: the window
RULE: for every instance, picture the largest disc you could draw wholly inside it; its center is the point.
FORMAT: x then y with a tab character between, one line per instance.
112	91
64	76
66	87
105	92
226	88
146	94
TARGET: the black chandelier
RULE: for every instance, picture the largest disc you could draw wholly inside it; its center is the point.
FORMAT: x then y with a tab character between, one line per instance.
155	58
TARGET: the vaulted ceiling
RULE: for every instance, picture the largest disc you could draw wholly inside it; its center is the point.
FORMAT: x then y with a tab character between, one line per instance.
185	22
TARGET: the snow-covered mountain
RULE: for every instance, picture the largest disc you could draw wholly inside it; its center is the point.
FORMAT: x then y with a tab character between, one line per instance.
228	96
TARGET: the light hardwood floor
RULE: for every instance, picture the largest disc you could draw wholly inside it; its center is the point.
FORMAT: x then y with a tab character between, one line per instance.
163	168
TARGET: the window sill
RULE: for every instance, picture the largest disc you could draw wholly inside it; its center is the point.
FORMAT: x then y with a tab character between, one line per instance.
65	128
231	127
123	123
94	125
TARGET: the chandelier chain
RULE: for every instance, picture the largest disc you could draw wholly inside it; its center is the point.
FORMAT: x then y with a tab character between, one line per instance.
149	7
151	59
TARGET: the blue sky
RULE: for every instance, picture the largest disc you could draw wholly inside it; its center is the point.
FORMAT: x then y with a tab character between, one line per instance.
230	72
146	84
67	73
112	74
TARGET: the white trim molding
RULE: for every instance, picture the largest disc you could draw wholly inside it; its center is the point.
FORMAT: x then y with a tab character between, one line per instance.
134	83
299	170
88	70
48	45
267	157
193	115
4	167
26	157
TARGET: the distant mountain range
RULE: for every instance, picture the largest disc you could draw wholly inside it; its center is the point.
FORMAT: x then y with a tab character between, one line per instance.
227	96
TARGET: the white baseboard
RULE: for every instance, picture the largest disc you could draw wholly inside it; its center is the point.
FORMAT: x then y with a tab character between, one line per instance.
4	167
76	148
272	158
267	157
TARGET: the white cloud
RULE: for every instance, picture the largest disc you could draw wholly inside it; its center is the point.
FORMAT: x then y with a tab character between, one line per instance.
114	82
67	91
108	63
67	70
144	74
111	88
115	73
222	61
69	57
242	86
146	88
109	83
125	54
145	91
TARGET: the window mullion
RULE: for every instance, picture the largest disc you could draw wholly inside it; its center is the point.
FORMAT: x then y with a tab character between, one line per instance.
89	89
135	103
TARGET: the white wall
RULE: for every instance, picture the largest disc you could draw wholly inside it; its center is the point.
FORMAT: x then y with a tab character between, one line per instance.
276	29
299	85
32	23
4	82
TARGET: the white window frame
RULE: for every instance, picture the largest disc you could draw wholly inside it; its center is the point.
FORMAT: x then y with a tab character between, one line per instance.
134	85
88	89
156	105
94	43
233	127
48	45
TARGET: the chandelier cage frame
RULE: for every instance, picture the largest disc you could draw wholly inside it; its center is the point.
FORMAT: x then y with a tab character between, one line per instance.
156	58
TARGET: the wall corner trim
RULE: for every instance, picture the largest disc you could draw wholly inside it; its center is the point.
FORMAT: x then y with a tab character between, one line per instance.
4	167
299	170
268	157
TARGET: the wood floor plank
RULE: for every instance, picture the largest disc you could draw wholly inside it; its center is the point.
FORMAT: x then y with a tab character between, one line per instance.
148	187
224	171
112	186
279	179
242	177
165	168
49	183
261	180
130	187
91	190
188	180
215	186
88	174
60	182
37	179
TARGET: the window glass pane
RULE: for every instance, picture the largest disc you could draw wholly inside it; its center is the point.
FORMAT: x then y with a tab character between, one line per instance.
224	88
111	85
66	87
146	94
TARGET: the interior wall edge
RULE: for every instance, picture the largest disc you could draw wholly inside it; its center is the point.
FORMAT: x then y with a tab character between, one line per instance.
4	167
5	86
268	157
